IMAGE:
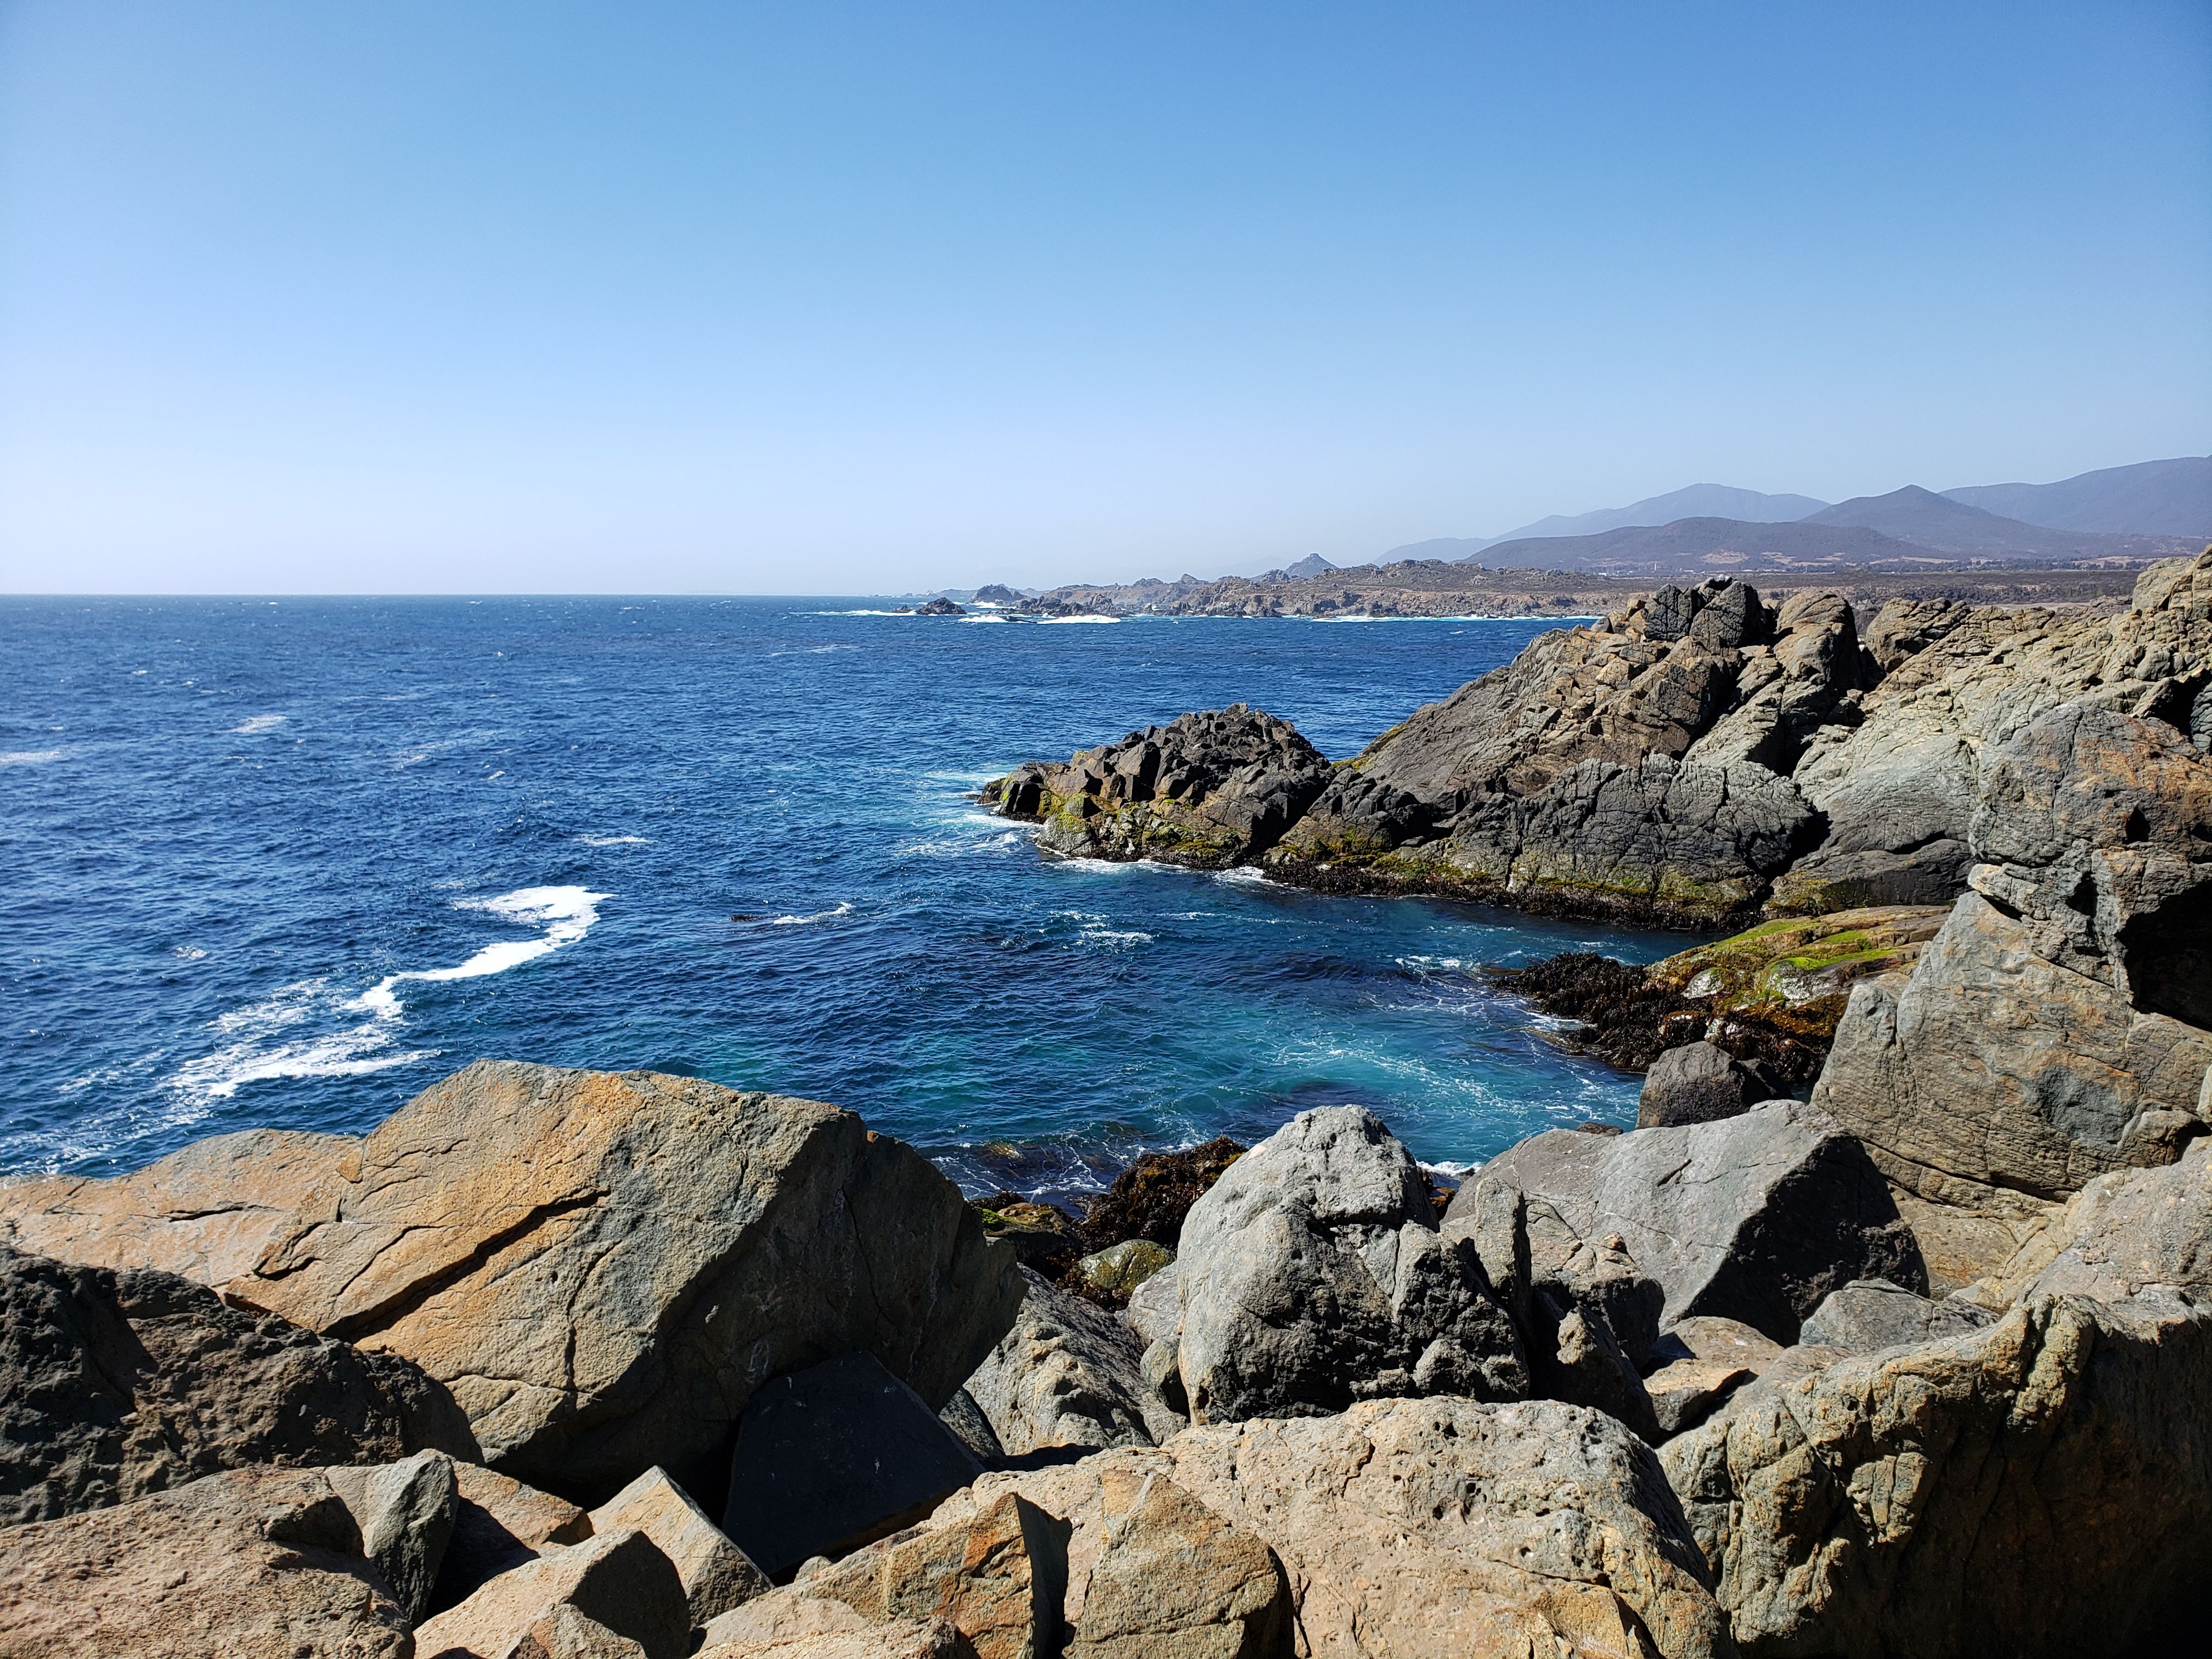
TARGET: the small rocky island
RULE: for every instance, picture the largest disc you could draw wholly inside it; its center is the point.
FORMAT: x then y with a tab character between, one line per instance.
1887	1332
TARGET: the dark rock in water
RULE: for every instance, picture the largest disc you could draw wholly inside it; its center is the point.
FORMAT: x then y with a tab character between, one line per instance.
1756	1218
1312	1275
1869	1314
997	593
1150	1198
938	608
1210	790
1044	1239
1700	1083
830	1458
115	1384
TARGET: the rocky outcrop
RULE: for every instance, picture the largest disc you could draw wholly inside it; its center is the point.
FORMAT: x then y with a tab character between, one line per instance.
1756	1218
1312	1275
601	1267
617	1581
1067	1374
1210	790
117	1384
1701	1082
833	1457
1871	1313
1699	1362
251	1564
1900	790
1627	769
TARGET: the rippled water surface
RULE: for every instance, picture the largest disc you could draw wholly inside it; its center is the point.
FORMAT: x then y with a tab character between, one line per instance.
286	863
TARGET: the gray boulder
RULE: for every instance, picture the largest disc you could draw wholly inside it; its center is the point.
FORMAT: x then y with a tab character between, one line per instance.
1068	1373
1870	1314
1209	789
1904	628
1756	1218
114	1384
1700	1083
833	1457
1312	1275
405	1512
1155	1308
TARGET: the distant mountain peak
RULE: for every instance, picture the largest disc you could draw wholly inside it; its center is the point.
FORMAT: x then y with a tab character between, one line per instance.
1312	565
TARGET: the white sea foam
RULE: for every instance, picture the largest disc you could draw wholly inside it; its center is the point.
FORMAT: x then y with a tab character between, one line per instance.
189	953
1121	937
613	841
1244	875
995	619
261	1045
254	723
1053	622
842	909
31	757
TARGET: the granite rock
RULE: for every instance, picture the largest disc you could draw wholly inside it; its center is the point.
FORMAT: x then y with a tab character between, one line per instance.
617	1579
1701	1082
1871	1313
405	1513
1067	1373
715	1574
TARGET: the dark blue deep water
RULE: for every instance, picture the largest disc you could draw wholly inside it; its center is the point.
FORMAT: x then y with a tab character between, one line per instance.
286	863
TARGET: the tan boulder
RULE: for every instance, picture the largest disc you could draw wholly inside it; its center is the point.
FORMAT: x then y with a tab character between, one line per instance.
791	1624
565	1633
500	1523
253	1564
601	1267
618	1580
715	1573
2042	1487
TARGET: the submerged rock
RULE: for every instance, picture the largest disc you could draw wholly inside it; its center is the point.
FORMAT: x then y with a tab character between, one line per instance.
1210	789
598	1266
1312	1275
115	1384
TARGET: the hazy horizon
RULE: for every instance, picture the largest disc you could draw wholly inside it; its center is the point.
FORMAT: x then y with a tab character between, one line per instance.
859	301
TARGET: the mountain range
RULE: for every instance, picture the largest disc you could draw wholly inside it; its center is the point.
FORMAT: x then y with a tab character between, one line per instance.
2119	514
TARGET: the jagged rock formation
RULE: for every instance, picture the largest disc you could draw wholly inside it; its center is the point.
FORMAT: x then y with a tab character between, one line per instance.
1067	1374
1209	790
1312	1275
117	1384
598	1266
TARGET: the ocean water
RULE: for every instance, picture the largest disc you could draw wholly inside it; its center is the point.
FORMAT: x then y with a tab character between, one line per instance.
287	862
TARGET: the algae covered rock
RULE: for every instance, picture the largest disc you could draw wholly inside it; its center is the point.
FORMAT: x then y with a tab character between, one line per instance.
1114	1273
1150	1198
1210	789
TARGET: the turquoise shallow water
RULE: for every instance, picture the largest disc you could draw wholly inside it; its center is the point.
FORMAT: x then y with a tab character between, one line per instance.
287	862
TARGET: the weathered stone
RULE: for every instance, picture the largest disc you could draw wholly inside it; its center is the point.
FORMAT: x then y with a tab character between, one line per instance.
1683	1393
1992	1066
114	1384
565	1633
1067	1373
1042	1237
1700	1083
789	1626
833	1457
1155	1307
999	1576
251	1564
1448	1527
1870	1314
2122	1234
1208	789
598	1266
1756	1218
1903	628
1114	1273
2042	1487
616	1579
1312	1275
973	1429
716	1575
498	1523
405	1513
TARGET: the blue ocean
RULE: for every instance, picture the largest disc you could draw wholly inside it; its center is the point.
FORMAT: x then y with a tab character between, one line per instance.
285	862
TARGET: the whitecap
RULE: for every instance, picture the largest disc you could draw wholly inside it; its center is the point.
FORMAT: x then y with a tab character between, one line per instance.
842	909
1244	875
189	953
1050	622
31	757
1120	937
613	841
254	723
992	619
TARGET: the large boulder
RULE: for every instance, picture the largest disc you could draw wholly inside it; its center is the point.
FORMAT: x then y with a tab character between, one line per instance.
1756	1218
1899	788
1209	789
118	1383
617	1580
405	1513
1312	1275
1067	1373
601	1267
251	1564
716	1575
1868	1315
2042	1487
833	1457
1701	1082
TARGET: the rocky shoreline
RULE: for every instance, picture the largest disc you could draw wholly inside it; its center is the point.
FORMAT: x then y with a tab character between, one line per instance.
566	1365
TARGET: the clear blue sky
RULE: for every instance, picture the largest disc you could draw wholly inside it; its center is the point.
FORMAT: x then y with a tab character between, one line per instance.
421	297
